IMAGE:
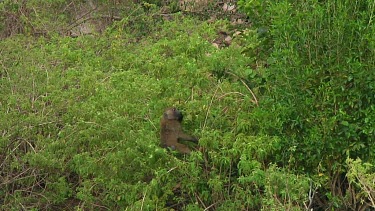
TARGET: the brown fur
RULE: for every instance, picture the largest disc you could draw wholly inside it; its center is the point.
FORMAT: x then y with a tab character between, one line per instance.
171	131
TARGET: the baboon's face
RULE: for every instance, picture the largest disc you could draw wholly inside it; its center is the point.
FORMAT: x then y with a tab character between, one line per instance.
173	114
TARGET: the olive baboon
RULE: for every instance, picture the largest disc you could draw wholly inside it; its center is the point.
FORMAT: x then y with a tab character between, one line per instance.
171	131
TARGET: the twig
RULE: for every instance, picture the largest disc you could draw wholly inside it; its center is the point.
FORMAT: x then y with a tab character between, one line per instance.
17	177
312	193
239	93
143	199
31	146
200	200
208	109
172	169
210	206
247	87
100	206
366	189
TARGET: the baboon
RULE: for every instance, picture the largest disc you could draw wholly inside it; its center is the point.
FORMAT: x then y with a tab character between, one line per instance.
171	131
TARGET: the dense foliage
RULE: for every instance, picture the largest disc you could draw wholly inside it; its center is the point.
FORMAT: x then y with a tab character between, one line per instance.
321	89
285	113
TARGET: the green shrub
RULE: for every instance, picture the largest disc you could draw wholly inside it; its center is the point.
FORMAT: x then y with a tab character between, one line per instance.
320	85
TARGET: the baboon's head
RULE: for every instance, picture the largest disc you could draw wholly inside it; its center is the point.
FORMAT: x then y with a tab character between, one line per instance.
173	114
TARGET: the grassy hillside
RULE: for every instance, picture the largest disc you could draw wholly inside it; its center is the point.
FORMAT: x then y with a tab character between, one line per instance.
284	111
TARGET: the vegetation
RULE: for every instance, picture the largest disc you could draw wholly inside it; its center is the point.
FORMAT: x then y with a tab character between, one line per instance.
285	110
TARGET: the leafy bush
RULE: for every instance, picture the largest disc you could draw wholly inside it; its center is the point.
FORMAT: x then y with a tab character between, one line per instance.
320	87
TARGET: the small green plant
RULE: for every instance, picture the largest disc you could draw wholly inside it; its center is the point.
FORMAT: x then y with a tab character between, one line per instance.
361	177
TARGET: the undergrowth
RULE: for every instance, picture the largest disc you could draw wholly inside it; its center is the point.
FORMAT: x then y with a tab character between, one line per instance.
285	114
